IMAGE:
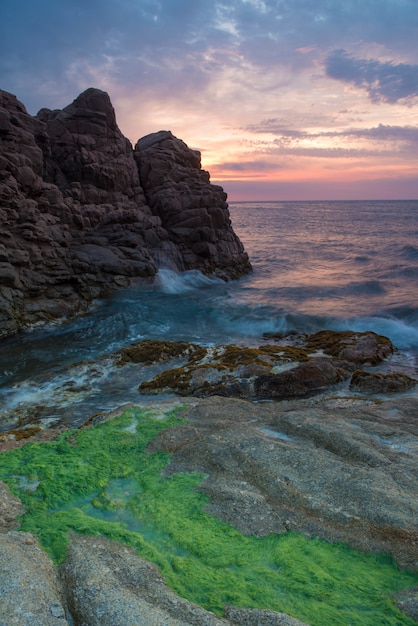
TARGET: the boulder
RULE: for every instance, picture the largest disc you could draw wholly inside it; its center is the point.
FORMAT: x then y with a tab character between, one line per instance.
301	380
365	348
110	585
372	382
76	217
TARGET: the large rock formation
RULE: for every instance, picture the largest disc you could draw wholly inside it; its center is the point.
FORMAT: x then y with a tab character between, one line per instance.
80	218
193	211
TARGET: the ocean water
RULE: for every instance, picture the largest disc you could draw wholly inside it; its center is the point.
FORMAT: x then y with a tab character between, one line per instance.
317	265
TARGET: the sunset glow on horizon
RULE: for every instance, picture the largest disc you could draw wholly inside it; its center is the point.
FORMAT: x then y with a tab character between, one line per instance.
285	99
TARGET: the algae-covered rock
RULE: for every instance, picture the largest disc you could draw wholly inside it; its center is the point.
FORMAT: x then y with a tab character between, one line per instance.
288	370
220	517
369	382
367	347
301	380
338	468
110	585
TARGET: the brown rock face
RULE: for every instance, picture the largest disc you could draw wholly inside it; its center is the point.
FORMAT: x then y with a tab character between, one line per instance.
75	221
191	209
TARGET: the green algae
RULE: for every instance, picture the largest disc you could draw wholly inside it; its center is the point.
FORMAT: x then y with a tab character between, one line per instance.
102	481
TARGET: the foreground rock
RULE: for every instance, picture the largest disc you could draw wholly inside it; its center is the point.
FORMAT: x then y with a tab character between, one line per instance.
102	583
78	221
110	585
30	588
343	469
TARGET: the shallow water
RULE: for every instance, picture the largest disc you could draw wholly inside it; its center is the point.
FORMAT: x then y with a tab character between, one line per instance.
337	265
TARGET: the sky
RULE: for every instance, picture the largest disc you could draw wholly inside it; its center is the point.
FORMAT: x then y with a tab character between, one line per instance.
285	99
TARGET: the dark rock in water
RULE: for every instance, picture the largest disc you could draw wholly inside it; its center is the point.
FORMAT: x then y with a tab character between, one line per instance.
269	371
301	380
369	382
367	347
76	217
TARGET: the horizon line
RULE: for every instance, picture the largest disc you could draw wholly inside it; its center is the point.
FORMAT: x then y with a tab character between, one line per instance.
329	200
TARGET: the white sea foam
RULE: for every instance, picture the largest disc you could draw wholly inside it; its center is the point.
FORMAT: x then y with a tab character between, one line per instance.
402	335
177	283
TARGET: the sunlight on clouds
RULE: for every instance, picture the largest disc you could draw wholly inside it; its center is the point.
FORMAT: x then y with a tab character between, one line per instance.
267	91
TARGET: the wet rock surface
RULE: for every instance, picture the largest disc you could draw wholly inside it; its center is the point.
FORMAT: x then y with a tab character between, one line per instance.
373	383
339	466
78	221
296	366
101	583
343	469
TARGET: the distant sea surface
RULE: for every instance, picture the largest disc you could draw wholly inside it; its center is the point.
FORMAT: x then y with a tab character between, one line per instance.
317	265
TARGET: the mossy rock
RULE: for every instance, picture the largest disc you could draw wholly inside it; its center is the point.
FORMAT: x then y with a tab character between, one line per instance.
381	383
224	370
152	351
23	433
232	356
352	346
177	379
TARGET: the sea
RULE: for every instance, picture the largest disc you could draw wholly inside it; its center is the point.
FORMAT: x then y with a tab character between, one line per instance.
316	265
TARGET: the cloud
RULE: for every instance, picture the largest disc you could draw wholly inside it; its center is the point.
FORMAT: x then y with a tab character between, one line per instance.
377	141
244	166
50	51
381	132
384	81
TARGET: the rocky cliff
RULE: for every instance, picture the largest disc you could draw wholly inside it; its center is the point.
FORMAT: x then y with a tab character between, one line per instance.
83	214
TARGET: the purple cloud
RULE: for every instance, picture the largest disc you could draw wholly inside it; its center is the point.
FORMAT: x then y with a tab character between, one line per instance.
384	81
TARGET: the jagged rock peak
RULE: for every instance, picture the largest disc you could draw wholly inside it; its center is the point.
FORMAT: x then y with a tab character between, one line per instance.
83	214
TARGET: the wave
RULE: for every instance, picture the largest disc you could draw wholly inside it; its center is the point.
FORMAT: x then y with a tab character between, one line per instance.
401	334
410	252
177	283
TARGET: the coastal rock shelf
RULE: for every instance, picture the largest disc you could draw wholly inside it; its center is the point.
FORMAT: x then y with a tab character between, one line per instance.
220	503
83	214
